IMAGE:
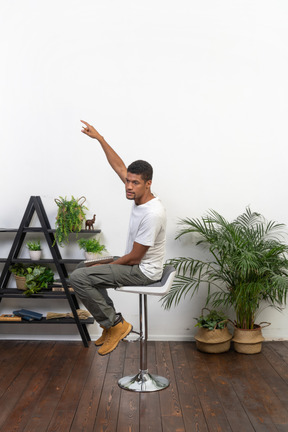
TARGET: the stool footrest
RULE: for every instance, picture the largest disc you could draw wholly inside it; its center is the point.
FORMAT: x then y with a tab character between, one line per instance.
136	332
143	382
139	338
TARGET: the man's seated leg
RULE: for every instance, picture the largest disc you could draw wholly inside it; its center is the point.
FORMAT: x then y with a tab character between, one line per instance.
90	285
90	289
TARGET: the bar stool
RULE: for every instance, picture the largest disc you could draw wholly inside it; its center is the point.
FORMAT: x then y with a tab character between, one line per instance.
144	381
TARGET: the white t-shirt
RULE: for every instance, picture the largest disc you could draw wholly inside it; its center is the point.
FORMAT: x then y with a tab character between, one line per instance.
148	227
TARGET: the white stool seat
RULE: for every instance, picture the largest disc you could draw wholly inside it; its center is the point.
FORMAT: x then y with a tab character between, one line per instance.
144	381
159	288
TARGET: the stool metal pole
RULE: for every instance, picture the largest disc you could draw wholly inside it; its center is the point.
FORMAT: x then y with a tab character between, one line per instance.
145	335
141	331
143	381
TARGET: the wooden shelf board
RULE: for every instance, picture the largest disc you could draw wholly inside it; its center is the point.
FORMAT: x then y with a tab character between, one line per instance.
51	321
40	229
45	294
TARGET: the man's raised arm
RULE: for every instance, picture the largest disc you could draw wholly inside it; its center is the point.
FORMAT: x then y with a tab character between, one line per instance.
114	160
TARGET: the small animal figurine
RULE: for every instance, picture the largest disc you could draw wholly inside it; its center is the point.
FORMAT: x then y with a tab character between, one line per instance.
89	223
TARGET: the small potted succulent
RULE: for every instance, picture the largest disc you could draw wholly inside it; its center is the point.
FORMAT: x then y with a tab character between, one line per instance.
35	250
92	248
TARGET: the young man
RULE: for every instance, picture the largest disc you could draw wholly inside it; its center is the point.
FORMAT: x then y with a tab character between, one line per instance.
143	261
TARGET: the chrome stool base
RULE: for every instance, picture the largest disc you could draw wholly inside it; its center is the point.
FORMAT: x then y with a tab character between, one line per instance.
143	382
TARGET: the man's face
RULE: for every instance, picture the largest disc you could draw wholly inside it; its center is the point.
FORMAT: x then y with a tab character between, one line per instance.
136	188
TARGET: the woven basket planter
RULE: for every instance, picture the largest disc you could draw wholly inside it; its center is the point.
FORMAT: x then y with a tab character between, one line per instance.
248	341
21	282
213	341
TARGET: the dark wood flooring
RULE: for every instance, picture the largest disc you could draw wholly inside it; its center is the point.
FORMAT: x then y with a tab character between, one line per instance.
64	387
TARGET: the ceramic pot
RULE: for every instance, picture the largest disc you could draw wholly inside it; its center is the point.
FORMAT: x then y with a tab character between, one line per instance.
91	256
35	255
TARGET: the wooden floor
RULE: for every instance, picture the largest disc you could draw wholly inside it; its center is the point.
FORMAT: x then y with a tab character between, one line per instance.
62	386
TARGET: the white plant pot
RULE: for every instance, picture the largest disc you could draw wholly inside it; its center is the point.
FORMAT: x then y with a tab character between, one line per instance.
91	255
35	255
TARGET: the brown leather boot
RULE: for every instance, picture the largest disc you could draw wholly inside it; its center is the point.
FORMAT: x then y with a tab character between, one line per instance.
102	338
114	335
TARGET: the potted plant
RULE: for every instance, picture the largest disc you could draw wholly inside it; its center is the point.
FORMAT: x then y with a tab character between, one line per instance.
69	218
34	248
213	335
19	271
33	278
38	278
247	267
91	247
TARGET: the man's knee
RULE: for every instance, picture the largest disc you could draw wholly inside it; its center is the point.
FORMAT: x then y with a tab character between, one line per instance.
76	276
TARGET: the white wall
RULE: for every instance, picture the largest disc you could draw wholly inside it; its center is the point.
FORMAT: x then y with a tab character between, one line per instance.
198	88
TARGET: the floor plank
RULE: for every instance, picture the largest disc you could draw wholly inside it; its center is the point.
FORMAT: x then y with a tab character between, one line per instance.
210	401
128	418
249	387
45	408
14	404
222	376
89	400
169	399
16	354
62	386
149	417
192	413
107	415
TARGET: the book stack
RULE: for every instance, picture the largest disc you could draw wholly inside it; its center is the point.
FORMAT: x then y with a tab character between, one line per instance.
61	288
28	315
99	260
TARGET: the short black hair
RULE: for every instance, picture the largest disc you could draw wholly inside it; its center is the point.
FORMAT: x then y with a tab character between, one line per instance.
141	167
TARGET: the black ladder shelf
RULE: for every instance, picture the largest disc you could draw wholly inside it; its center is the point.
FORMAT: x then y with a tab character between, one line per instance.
35	205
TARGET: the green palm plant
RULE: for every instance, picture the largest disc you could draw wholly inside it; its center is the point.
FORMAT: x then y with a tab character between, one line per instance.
247	265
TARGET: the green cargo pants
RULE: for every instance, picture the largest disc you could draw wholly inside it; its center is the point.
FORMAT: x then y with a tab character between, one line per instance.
90	285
